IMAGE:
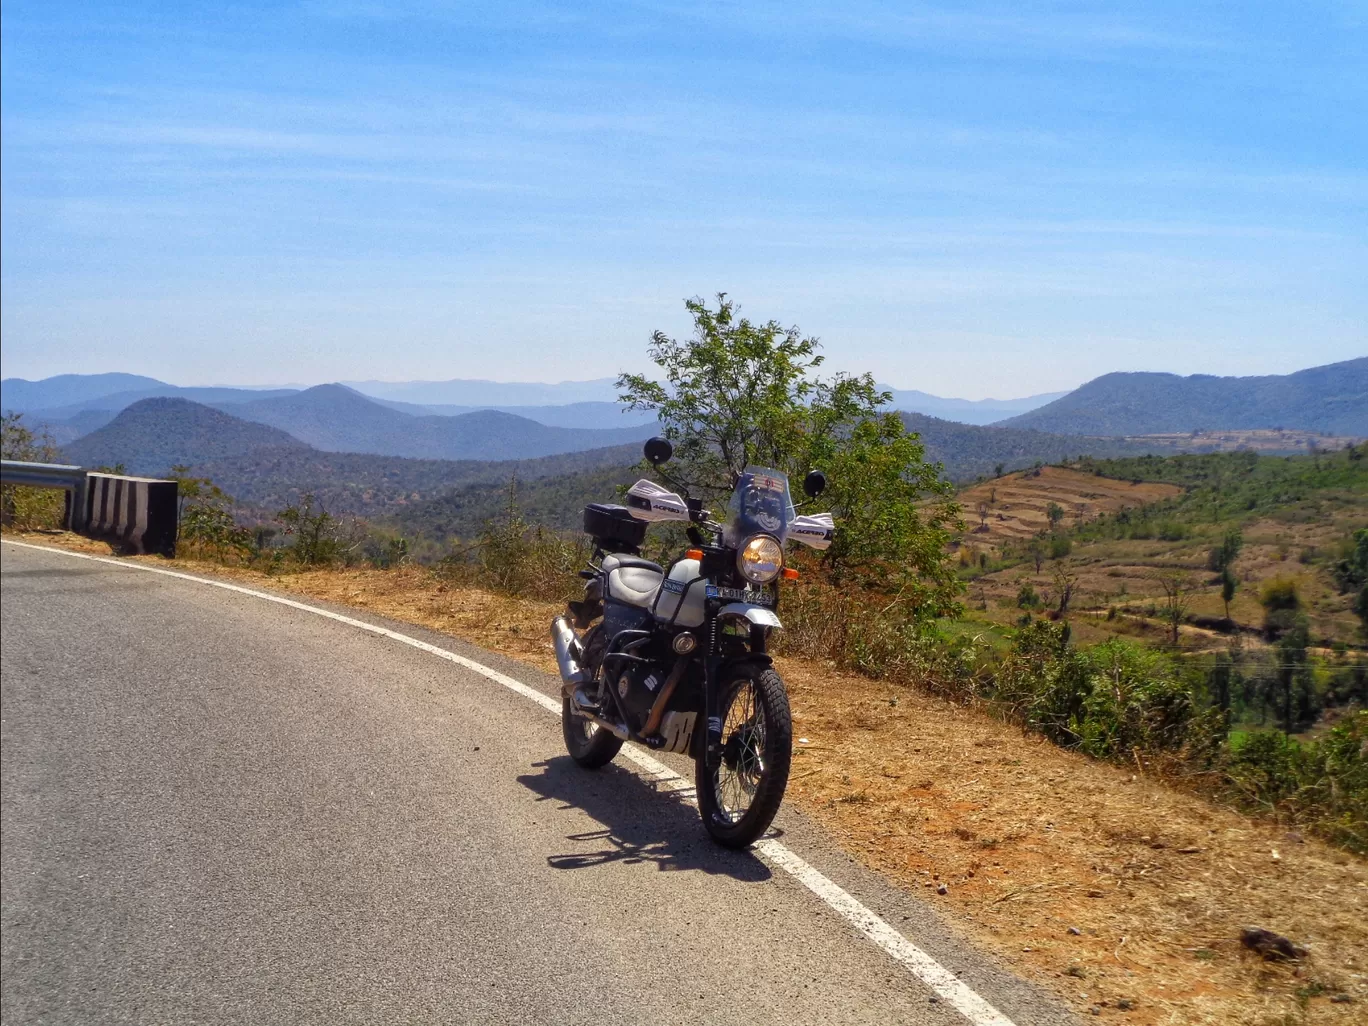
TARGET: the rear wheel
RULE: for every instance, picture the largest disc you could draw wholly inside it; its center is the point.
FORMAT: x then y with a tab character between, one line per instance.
739	797
588	744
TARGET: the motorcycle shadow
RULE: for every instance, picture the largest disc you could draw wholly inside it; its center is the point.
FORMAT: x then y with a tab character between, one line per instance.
640	824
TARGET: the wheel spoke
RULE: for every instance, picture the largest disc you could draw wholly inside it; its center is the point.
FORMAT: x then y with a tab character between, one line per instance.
743	733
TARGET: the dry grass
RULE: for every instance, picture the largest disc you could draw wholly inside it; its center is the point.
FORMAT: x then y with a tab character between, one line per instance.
1030	840
1016	504
1122	574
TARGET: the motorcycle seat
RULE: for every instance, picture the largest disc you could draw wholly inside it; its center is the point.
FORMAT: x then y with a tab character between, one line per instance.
632	580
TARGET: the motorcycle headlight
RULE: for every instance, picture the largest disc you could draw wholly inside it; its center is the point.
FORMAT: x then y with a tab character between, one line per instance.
760	559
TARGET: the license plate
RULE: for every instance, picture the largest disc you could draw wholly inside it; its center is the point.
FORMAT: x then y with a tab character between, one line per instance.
755	598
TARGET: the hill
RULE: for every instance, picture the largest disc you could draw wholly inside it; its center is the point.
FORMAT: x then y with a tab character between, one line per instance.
966	411
338	419
1017	506
153	434
478	393
68	389
556	501
1129	522
570	415
1331	399
970	451
381	486
265	468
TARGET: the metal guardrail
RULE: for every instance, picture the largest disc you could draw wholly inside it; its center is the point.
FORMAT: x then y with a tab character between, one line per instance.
52	475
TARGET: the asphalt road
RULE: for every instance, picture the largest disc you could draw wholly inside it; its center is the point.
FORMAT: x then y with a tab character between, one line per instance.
217	809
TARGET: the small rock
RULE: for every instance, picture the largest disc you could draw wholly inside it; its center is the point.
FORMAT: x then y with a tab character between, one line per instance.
1095	894
1341	999
1272	946
970	874
1295	837
942	889
1094	1010
933	999
1125	1004
803	741
1075	971
1075	932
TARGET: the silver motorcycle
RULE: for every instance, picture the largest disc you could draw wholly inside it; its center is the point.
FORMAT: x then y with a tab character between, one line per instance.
665	649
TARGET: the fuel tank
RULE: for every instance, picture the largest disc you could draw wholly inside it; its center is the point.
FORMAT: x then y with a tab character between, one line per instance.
684	591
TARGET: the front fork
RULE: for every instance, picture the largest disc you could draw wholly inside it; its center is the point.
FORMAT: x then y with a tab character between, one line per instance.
712	697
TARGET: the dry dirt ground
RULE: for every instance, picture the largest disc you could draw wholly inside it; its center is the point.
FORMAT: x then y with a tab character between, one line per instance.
1124	576
1123	894
1014	507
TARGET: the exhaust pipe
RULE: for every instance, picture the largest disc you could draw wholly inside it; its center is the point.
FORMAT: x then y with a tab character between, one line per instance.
568	653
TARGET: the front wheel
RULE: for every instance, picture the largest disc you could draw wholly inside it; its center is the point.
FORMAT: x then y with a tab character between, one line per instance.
739	797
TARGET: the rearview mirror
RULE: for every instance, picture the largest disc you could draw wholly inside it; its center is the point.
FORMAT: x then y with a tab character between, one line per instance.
658	450
814	484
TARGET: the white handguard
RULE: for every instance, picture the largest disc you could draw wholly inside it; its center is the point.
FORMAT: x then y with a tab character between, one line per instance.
814	531
652	503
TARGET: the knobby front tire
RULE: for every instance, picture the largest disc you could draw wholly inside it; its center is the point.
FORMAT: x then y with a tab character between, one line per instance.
739	798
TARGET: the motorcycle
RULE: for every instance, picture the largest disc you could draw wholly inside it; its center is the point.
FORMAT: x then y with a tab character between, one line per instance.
667	649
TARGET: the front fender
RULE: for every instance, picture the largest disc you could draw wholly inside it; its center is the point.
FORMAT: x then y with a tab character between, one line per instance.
758	615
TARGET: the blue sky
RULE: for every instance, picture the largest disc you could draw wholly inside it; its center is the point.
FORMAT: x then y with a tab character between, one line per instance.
972	199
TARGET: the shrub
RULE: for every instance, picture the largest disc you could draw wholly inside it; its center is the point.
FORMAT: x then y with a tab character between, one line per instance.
314	530
1322	783
28	508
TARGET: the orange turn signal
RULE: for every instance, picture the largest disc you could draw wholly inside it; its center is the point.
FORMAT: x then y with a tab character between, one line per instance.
790	574
693	554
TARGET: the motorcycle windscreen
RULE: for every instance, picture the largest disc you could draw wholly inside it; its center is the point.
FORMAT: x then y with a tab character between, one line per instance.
760	504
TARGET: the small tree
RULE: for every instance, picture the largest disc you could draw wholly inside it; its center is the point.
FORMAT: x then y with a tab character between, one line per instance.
313	529
1055	512
1229	583
1282	604
1177	588
1222	557
740	393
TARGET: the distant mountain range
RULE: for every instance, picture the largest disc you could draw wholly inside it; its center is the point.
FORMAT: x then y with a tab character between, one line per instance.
480	420
265	468
482	394
67	405
966	411
258	462
338	419
1332	399
335	419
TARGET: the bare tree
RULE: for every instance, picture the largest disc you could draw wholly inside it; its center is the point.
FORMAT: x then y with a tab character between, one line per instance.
1177	586
1064	584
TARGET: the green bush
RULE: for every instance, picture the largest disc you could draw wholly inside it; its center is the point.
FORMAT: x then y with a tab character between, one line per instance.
1322	783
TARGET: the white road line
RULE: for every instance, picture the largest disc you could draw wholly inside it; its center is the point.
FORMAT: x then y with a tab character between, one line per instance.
931	973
